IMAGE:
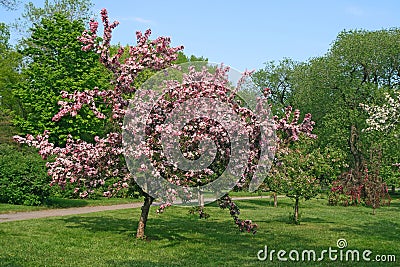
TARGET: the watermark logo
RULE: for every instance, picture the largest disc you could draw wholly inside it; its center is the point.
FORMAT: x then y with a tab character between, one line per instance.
338	253
198	128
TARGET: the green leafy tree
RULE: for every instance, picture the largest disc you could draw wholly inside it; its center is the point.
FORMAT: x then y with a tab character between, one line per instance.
383	125
298	172
9	63
359	67
71	9
147	73
9	75
55	63
278	77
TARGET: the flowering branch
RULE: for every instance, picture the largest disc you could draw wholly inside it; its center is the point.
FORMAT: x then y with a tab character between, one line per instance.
147	54
385	117
234	211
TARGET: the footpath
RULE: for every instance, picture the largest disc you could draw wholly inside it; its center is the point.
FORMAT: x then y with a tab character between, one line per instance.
18	216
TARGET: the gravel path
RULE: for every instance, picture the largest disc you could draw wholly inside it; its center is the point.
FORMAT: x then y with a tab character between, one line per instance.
18	216
8	217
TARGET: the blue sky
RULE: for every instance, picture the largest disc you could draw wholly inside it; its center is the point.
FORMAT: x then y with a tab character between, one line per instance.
245	34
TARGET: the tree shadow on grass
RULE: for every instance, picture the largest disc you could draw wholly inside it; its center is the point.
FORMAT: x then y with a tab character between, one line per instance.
171	231
262	203
314	220
100	224
377	230
179	228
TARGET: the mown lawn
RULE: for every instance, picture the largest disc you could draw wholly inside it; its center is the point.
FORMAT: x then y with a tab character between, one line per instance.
176	238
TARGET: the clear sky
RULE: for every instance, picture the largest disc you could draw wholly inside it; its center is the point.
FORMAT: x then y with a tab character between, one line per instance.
244	34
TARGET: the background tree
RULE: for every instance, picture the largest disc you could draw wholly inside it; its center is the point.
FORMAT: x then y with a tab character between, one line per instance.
71	9
358	68
383	122
281	79
55	63
9	4
278	77
9	75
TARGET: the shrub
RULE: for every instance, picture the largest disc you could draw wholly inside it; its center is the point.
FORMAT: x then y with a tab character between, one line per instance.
23	176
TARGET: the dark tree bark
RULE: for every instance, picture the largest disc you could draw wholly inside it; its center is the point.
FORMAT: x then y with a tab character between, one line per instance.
296	211
200	196
148	200
355	150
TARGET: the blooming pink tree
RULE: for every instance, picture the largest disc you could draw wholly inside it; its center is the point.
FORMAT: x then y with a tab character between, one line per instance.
135	151
88	165
201	106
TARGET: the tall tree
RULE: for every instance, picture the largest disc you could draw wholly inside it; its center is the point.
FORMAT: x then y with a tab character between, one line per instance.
55	64
358	68
9	75
9	63
383	123
278	77
71	9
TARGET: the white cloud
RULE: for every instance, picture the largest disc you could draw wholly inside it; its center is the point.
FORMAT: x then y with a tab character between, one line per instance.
355	11
144	21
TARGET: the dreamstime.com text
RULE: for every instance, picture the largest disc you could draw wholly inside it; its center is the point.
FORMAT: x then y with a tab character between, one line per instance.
339	253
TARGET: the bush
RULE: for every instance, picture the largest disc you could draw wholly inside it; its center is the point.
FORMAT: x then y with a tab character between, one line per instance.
23	176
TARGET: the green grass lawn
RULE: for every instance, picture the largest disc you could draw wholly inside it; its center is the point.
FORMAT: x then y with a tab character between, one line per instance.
55	203
176	238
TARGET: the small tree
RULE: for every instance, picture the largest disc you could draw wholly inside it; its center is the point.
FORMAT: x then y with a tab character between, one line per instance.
366	185
348	188
375	189
295	169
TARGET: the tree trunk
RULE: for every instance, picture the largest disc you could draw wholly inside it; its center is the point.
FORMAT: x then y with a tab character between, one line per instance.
148	200
200	196
296	211
354	149
275	200
393	189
